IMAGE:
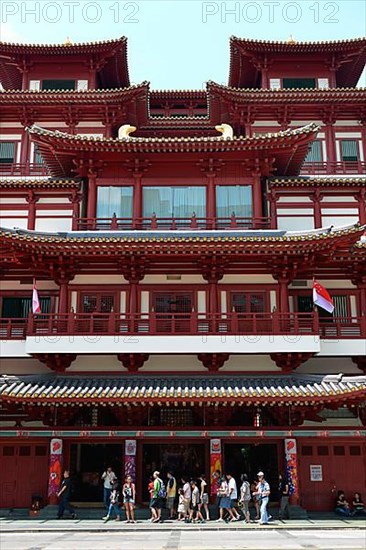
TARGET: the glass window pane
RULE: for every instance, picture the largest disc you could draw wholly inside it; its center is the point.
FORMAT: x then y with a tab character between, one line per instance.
235	199
314	154
296	83
349	150
7	152
174	202
114	200
58	84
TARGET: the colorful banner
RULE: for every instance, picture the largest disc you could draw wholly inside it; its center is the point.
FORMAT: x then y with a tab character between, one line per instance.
130	458
291	468
55	470
215	464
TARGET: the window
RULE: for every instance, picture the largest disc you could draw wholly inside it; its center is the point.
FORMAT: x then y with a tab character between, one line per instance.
101	303
24	451
8	451
341	306
305	304
58	84
323	450
315	152
246	302
173	303
174	202
355	450
292	83
114	200
14	307
338	450
235	199
37	156
307	450
7	152
349	150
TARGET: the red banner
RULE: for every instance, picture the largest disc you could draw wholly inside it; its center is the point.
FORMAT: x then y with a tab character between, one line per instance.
55	470
215	464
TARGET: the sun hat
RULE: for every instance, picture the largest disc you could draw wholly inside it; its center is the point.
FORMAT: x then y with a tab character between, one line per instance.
260	474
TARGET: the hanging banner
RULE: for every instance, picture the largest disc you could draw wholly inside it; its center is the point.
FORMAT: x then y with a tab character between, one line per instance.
291	467
215	465
55	469
130	458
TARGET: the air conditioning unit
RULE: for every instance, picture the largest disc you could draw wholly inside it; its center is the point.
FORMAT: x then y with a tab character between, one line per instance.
299	284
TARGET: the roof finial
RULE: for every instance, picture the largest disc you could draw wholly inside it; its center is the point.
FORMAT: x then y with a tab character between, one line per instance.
68	41
291	40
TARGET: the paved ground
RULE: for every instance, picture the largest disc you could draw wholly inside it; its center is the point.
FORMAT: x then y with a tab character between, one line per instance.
38	534
182	539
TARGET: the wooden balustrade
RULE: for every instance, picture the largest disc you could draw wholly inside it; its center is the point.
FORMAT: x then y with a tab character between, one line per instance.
339	167
23	169
171	224
192	323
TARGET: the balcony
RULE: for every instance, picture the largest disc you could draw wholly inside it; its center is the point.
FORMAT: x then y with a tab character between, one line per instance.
327	168
169	224
23	169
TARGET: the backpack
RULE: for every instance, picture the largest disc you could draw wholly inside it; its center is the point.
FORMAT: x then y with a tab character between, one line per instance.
162	490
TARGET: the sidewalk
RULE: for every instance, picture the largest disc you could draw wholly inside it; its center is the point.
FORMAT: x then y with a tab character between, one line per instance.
9	525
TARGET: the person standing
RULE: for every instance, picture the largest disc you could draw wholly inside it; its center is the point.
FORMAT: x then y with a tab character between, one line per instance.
107	476
187	494
245	497
64	496
156	503
129	499
263	491
225	501
113	504
195	513
233	495
217	480
284	494
253	488
171	494
204	499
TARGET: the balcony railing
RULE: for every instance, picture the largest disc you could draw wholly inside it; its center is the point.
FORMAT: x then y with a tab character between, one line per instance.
155	324
341	167
117	224
23	169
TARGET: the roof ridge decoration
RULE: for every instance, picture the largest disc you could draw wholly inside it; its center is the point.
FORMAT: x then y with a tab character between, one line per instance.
309	128
254	41
90	92
65	45
286	91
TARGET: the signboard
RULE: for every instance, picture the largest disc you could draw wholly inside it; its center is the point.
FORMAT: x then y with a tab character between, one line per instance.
55	469
215	464
316	472
130	458
291	467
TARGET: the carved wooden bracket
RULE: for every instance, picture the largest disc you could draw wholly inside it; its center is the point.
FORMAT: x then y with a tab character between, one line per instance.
290	361
132	361
213	361
57	362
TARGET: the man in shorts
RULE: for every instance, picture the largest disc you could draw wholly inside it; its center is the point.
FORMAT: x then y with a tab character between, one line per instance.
171	495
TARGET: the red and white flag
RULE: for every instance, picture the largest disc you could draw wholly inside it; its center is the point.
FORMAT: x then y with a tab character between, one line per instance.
321	297
36	305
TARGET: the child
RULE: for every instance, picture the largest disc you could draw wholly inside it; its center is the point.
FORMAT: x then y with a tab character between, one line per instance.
181	505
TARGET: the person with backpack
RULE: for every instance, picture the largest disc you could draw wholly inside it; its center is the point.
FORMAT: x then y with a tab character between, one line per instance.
171	494
159	495
245	497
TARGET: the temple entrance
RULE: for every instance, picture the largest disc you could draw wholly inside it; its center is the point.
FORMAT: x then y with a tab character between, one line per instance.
240	458
181	459
87	463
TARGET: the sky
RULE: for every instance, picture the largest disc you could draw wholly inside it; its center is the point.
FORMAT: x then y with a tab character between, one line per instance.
180	44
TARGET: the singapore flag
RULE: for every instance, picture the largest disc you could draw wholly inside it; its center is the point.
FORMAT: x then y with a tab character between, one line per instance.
321	297
36	306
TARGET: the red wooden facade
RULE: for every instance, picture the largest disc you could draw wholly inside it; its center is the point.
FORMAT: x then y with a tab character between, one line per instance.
173	237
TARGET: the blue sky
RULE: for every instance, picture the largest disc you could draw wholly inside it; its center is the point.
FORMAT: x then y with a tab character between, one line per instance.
176	44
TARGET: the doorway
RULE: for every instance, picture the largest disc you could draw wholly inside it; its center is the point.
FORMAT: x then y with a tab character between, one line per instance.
173	311
240	458
180	459
87	463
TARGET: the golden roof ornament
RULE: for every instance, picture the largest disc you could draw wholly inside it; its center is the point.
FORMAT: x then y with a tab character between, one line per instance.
68	41
125	131
291	40
226	131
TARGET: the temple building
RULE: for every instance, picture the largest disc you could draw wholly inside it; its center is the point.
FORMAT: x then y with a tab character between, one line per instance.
172	238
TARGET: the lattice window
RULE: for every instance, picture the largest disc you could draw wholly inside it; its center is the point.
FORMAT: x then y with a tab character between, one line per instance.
349	150
173	303
102	303
248	302
7	152
315	152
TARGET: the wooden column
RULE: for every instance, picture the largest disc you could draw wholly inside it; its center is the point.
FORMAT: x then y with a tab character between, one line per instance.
316	199
361	199
363	135
92	195
24	147
31	199
75	198
63	295
331	146
272	199
257	196
284	294
137	200
210	168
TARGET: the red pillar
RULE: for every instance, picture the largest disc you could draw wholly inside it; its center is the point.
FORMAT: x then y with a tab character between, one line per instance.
63	296
31	199
257	196
316	198
272	199
92	196
363	134
137	200
132	305
361	198
284	294
75	200
214	297
24	148
331	147
211	199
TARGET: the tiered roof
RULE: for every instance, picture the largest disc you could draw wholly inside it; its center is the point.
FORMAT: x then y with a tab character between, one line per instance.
288	148
110	54
285	389
244	53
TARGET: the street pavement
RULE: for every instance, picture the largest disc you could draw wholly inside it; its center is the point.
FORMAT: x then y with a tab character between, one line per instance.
94	535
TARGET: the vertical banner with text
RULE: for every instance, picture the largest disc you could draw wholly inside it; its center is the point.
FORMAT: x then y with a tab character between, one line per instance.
215	464
130	458
55	470
292	469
